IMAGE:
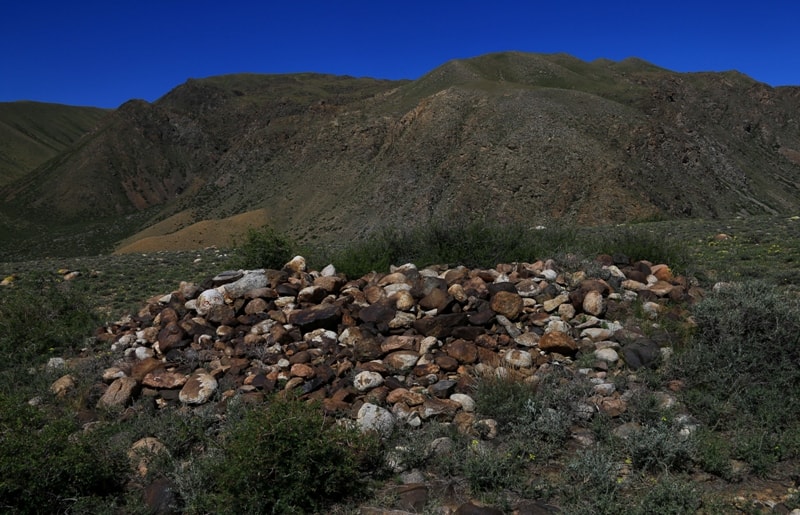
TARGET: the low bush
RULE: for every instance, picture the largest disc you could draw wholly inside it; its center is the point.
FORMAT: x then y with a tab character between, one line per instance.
47	465
262	248
44	319
742	360
671	495
286	457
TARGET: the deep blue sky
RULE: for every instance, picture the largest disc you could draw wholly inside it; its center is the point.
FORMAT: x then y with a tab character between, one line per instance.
102	53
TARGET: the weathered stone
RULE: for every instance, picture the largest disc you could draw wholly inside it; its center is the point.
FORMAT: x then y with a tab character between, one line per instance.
462	351
164	379
440	326
367	380
506	303
402	360
374	418
594	303
207	300
63	386
325	316
118	394
641	353
199	388
553	304
559	342
518	358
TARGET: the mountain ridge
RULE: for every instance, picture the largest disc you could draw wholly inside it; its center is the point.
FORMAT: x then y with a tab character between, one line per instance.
506	136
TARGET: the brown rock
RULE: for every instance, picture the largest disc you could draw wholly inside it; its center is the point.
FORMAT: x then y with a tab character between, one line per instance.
198	388
507	304
401	360
437	299
325	316
440	326
118	394
446	363
462	350
143	367
561	343
594	303
396	342
302	370
161	378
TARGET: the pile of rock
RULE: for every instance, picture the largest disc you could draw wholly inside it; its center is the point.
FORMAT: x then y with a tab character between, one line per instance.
404	346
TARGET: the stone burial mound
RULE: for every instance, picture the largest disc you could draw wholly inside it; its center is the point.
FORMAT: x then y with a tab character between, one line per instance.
392	348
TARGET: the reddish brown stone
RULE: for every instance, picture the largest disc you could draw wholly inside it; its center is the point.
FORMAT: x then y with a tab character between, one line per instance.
143	367
446	363
164	379
462	350
561	343
507	304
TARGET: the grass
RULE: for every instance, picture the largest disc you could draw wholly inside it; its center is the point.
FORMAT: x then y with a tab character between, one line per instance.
746	335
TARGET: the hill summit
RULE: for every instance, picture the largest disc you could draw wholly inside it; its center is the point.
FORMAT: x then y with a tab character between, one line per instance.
507	136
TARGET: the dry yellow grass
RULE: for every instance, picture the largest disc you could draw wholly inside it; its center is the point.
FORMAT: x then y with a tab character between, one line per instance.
178	233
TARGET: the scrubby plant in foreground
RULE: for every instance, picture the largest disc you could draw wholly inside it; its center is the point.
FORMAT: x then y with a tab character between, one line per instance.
43	319
739	367
47	464
286	457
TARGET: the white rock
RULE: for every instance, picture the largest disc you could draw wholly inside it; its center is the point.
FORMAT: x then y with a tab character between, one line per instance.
518	358
608	354
374	418
467	402
143	353
366	380
328	271
208	300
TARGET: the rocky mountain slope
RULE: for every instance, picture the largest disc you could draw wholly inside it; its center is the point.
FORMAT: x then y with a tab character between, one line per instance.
507	136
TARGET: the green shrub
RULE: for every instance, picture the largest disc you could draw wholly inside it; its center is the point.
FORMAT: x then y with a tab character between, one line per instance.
488	469
503	399
591	484
262	248
46	465
287	458
471	244
742	360
670	496
41	320
660	448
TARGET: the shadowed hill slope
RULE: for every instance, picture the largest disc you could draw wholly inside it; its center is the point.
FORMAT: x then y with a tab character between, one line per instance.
33	132
507	136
